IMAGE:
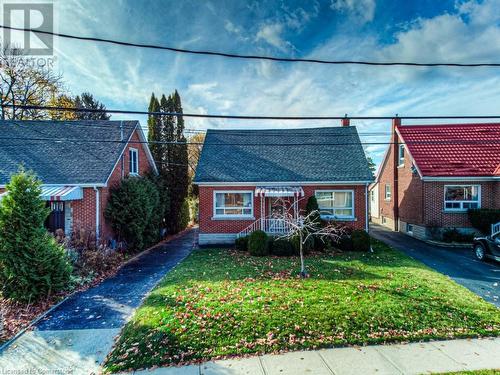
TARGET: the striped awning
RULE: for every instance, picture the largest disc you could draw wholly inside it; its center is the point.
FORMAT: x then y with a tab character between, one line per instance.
61	193
279	191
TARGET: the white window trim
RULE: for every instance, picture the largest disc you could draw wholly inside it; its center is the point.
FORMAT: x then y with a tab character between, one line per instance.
136	151
385	192
215	216
334	217
461	209
401	161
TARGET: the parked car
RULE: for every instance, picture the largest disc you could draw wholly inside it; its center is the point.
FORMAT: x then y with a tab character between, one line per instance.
487	247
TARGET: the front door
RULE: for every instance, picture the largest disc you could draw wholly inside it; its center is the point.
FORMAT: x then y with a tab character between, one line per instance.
276	207
277	210
56	217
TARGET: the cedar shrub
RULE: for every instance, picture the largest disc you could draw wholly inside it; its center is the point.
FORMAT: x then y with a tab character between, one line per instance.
32	264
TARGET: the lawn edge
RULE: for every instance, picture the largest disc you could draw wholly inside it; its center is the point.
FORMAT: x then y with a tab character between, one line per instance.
6	344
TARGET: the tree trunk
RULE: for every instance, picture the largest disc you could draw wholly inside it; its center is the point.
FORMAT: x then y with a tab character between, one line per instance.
302	266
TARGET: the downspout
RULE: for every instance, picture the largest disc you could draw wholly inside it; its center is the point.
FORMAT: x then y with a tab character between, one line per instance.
123	154
367	227
97	213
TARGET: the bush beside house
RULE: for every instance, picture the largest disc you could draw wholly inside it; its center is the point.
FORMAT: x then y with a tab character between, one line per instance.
32	264
135	211
482	218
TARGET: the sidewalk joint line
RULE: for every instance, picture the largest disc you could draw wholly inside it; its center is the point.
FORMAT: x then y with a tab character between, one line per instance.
388	359
464	366
326	364
262	365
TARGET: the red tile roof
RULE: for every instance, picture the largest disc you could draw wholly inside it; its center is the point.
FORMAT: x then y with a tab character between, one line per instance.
454	150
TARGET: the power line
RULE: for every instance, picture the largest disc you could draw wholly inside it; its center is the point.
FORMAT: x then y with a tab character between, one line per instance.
75	140
250	117
246	56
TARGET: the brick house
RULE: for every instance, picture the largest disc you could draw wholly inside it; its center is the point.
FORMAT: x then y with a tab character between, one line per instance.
245	176
436	173
77	162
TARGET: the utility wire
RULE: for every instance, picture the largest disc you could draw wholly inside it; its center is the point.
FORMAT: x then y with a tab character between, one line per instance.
76	140
249	117
249	57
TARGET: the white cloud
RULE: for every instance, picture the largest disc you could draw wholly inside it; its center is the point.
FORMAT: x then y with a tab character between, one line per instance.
271	34
362	11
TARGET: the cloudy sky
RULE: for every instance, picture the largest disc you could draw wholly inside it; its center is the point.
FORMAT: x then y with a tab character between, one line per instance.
419	31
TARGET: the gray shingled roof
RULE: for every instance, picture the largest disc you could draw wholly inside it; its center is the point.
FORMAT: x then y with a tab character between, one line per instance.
31	143
287	155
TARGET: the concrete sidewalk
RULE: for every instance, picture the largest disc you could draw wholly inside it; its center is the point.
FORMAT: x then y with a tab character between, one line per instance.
76	336
416	358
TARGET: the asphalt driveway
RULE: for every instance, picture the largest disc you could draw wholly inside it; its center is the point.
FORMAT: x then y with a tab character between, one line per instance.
77	335
482	278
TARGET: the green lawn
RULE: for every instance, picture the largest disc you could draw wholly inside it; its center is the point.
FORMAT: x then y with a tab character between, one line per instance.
222	303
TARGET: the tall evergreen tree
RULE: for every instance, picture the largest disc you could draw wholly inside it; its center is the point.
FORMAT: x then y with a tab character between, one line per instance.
87	101
32	264
154	132
173	154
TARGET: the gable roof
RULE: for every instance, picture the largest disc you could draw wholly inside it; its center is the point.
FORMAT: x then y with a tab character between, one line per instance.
80	161
329	154
454	150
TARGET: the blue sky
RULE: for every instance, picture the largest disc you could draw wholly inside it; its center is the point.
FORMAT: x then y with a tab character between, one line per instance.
458	31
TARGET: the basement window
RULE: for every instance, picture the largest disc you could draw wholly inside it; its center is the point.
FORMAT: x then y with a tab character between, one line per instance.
461	197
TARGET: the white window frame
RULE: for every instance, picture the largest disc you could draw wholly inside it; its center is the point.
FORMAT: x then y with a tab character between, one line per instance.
136	152
401	158
336	217
385	192
461	209
232	216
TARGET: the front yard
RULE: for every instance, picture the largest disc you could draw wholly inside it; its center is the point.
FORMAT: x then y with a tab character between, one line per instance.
221	303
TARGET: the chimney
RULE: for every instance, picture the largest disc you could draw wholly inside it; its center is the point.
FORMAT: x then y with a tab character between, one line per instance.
345	121
396	123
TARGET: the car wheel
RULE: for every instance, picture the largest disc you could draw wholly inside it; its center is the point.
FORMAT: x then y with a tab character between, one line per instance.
479	252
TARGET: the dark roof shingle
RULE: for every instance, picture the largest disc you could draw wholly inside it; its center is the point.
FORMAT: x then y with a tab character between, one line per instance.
329	154
33	144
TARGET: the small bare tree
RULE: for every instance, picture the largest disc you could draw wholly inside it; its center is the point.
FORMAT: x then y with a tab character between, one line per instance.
305	227
23	83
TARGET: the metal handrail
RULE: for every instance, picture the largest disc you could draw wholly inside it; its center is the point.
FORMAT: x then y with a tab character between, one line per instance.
495	229
269	225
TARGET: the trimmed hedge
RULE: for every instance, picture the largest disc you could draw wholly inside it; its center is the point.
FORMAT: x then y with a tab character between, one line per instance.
241	243
482	218
258	243
360	240
282	247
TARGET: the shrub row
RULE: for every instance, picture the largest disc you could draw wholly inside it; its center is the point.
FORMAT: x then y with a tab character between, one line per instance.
258	243
482	218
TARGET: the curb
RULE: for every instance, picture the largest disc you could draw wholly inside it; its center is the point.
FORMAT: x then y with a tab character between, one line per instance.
7	343
449	245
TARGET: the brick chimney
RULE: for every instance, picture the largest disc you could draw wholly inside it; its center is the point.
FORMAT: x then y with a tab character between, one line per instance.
345	121
396	123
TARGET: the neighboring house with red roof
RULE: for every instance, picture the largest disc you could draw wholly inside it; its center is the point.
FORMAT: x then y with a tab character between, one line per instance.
77	162
436	173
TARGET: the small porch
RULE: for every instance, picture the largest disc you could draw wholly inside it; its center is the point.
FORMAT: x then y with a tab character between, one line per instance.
275	203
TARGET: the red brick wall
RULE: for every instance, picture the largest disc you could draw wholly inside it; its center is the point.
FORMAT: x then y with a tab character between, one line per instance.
209	225
144	167
386	177
434	202
84	209
422	203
